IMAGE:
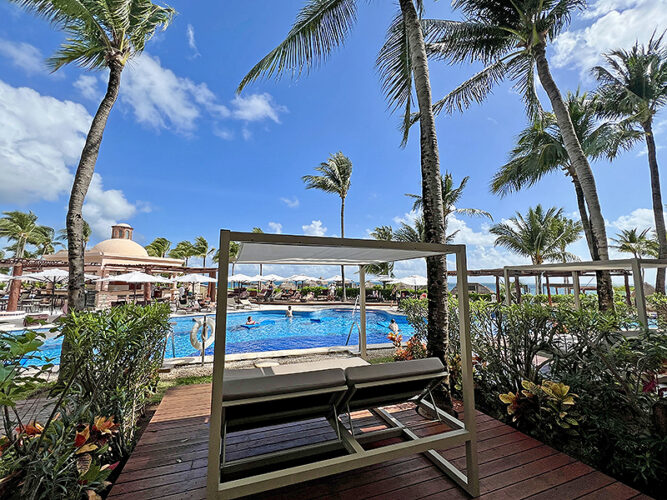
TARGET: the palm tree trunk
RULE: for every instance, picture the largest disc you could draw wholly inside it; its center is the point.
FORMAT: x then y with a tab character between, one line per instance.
434	220
583	214
82	179
584	175
656	196
342	235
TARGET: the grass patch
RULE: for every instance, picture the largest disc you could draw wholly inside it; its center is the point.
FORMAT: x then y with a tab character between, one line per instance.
163	385
384	359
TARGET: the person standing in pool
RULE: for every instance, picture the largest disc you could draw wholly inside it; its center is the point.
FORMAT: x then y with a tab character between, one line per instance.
250	321
288	313
393	326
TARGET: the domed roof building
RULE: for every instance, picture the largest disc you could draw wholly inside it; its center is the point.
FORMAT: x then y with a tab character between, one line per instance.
117	255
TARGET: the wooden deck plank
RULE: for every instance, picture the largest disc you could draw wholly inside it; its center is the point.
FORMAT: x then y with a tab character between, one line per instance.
169	462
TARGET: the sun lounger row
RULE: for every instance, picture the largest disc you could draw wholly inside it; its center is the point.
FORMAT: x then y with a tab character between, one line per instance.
260	401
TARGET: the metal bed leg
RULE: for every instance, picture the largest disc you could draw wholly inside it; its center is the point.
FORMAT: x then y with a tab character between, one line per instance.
349	419
224	442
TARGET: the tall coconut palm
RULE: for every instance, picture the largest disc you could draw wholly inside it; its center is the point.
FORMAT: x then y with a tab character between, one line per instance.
22	229
540	150
510	40
87	231
638	243
101	35
634	88
159	247
569	231
382	233
321	27
538	235
201	248
47	241
335	175
183	250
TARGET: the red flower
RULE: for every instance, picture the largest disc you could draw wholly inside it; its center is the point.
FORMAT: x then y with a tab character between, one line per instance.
81	437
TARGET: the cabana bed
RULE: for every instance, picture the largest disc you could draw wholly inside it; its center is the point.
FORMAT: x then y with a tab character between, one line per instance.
257	401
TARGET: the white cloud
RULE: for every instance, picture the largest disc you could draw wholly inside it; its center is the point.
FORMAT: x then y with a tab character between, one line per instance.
640	218
468	236
256	107
616	24
291	202
41	137
162	99
276	227
88	86
190	32
23	55
406	218
104	208
315	228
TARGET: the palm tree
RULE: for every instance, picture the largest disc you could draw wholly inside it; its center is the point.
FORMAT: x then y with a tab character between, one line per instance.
233	253
159	247
537	235
639	244
48	241
335	178
87	231
183	250
201	248
540	150
569	231
382	233
411	233
23	230
634	88
321	27
510	40
100	35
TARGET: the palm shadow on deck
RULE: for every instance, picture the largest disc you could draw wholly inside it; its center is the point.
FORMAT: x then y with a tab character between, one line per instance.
169	462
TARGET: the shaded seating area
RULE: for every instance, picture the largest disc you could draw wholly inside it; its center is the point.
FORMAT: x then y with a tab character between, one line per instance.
256	402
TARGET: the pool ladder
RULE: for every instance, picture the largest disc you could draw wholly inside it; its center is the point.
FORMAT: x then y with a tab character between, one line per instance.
354	311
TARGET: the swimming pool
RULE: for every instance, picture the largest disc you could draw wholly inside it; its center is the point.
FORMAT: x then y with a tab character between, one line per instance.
275	332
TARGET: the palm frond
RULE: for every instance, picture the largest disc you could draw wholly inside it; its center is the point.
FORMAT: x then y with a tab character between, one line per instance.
320	27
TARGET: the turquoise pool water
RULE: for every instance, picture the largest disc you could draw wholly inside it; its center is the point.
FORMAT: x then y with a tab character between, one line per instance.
275	332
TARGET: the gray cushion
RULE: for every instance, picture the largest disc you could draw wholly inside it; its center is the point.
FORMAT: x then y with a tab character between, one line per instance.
271	385
389	371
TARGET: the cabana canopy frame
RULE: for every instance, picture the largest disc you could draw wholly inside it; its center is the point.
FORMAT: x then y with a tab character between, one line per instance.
635	266
260	248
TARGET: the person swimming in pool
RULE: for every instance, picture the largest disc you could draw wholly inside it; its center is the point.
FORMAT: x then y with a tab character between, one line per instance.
393	326
288	313
250	321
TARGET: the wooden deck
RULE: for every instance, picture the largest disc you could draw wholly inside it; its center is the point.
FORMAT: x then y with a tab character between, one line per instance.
169	461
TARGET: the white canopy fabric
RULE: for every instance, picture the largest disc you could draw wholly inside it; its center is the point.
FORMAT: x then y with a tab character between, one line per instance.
241	278
338	277
301	277
414	280
136	277
4	277
193	278
325	254
272	277
52	276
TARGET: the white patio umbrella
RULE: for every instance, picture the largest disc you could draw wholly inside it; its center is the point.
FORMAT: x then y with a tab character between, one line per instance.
337	278
383	278
273	277
301	277
414	280
135	277
240	278
52	276
194	279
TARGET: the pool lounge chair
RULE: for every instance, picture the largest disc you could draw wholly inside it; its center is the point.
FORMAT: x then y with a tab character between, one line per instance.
246	304
267	400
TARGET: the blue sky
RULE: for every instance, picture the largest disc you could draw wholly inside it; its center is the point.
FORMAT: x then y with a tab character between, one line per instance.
184	156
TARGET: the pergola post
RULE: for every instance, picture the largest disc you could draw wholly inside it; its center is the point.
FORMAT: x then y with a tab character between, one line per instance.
497	288
468	386
215	424
546	279
628	293
576	290
640	300
508	292
362	312
517	286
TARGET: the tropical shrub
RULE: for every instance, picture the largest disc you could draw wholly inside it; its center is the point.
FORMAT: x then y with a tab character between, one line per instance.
113	359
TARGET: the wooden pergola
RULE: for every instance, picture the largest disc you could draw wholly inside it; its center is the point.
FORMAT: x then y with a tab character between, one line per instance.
624	267
261	248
